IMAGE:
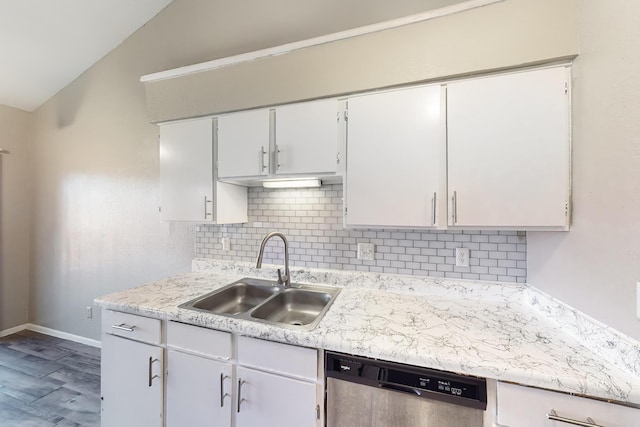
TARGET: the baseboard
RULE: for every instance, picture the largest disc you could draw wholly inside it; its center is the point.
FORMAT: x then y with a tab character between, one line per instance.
63	335
13	330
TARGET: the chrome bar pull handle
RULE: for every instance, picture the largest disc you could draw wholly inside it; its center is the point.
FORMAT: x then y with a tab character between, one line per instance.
123	327
277	159
206	214
240	399
338	158
263	166
454	208
151	376
222	393
433	209
553	415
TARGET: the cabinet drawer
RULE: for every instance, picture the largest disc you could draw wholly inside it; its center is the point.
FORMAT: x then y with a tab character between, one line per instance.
276	357
132	326
520	406
199	340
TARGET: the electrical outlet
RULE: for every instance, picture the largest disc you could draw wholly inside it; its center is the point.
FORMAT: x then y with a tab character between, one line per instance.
89	312
366	251
226	243
462	257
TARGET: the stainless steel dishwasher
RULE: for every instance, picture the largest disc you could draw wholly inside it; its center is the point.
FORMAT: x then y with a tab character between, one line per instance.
364	392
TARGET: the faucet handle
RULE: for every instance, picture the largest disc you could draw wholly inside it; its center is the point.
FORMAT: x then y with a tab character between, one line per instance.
280	281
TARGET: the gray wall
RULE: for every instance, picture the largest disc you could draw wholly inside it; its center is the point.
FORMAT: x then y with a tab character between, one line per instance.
15	214
96	227
595	266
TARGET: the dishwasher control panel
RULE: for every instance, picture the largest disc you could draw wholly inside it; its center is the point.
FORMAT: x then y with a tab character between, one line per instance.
423	382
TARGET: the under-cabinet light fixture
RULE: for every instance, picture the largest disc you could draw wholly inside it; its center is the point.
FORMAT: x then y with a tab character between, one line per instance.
293	183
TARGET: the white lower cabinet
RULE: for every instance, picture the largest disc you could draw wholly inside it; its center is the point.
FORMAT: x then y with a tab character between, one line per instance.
198	391
277	385
199	377
520	406
261	384
270	400
132	372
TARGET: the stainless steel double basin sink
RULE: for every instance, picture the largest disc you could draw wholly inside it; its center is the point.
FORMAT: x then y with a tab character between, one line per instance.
295	307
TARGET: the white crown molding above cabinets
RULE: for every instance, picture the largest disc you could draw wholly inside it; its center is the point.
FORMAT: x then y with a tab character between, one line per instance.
315	41
478	40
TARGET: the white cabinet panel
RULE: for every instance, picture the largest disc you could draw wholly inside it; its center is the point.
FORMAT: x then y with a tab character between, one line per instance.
131	326
395	158
189	190
527	407
186	170
268	400
509	150
277	357
132	383
199	340
243	144
199	391
307	138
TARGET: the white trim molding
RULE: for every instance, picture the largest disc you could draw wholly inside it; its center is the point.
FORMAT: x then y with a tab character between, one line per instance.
13	330
63	335
315	41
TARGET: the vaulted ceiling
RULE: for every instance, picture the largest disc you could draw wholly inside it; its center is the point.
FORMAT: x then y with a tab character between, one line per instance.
46	44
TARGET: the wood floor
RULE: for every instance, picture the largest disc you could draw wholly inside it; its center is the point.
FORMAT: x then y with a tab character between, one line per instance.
47	381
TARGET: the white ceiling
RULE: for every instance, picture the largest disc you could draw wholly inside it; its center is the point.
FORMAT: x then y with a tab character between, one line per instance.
46	44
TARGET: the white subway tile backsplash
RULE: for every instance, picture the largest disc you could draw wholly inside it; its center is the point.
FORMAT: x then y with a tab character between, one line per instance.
312	222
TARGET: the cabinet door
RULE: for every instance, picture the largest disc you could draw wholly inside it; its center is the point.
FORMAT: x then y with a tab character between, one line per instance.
186	171
307	138
269	400
198	391
508	150
528	407
395	156
243	144
132	383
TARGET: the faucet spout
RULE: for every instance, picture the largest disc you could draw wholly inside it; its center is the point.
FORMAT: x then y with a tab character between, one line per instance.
282	279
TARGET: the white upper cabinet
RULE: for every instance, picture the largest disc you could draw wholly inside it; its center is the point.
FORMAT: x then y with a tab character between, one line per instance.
485	152
186	170
306	138
243	144
509	150
189	190
395	159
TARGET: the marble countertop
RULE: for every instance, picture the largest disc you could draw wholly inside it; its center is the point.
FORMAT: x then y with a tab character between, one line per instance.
504	331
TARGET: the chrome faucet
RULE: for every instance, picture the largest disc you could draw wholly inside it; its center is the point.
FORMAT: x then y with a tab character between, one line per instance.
282	280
